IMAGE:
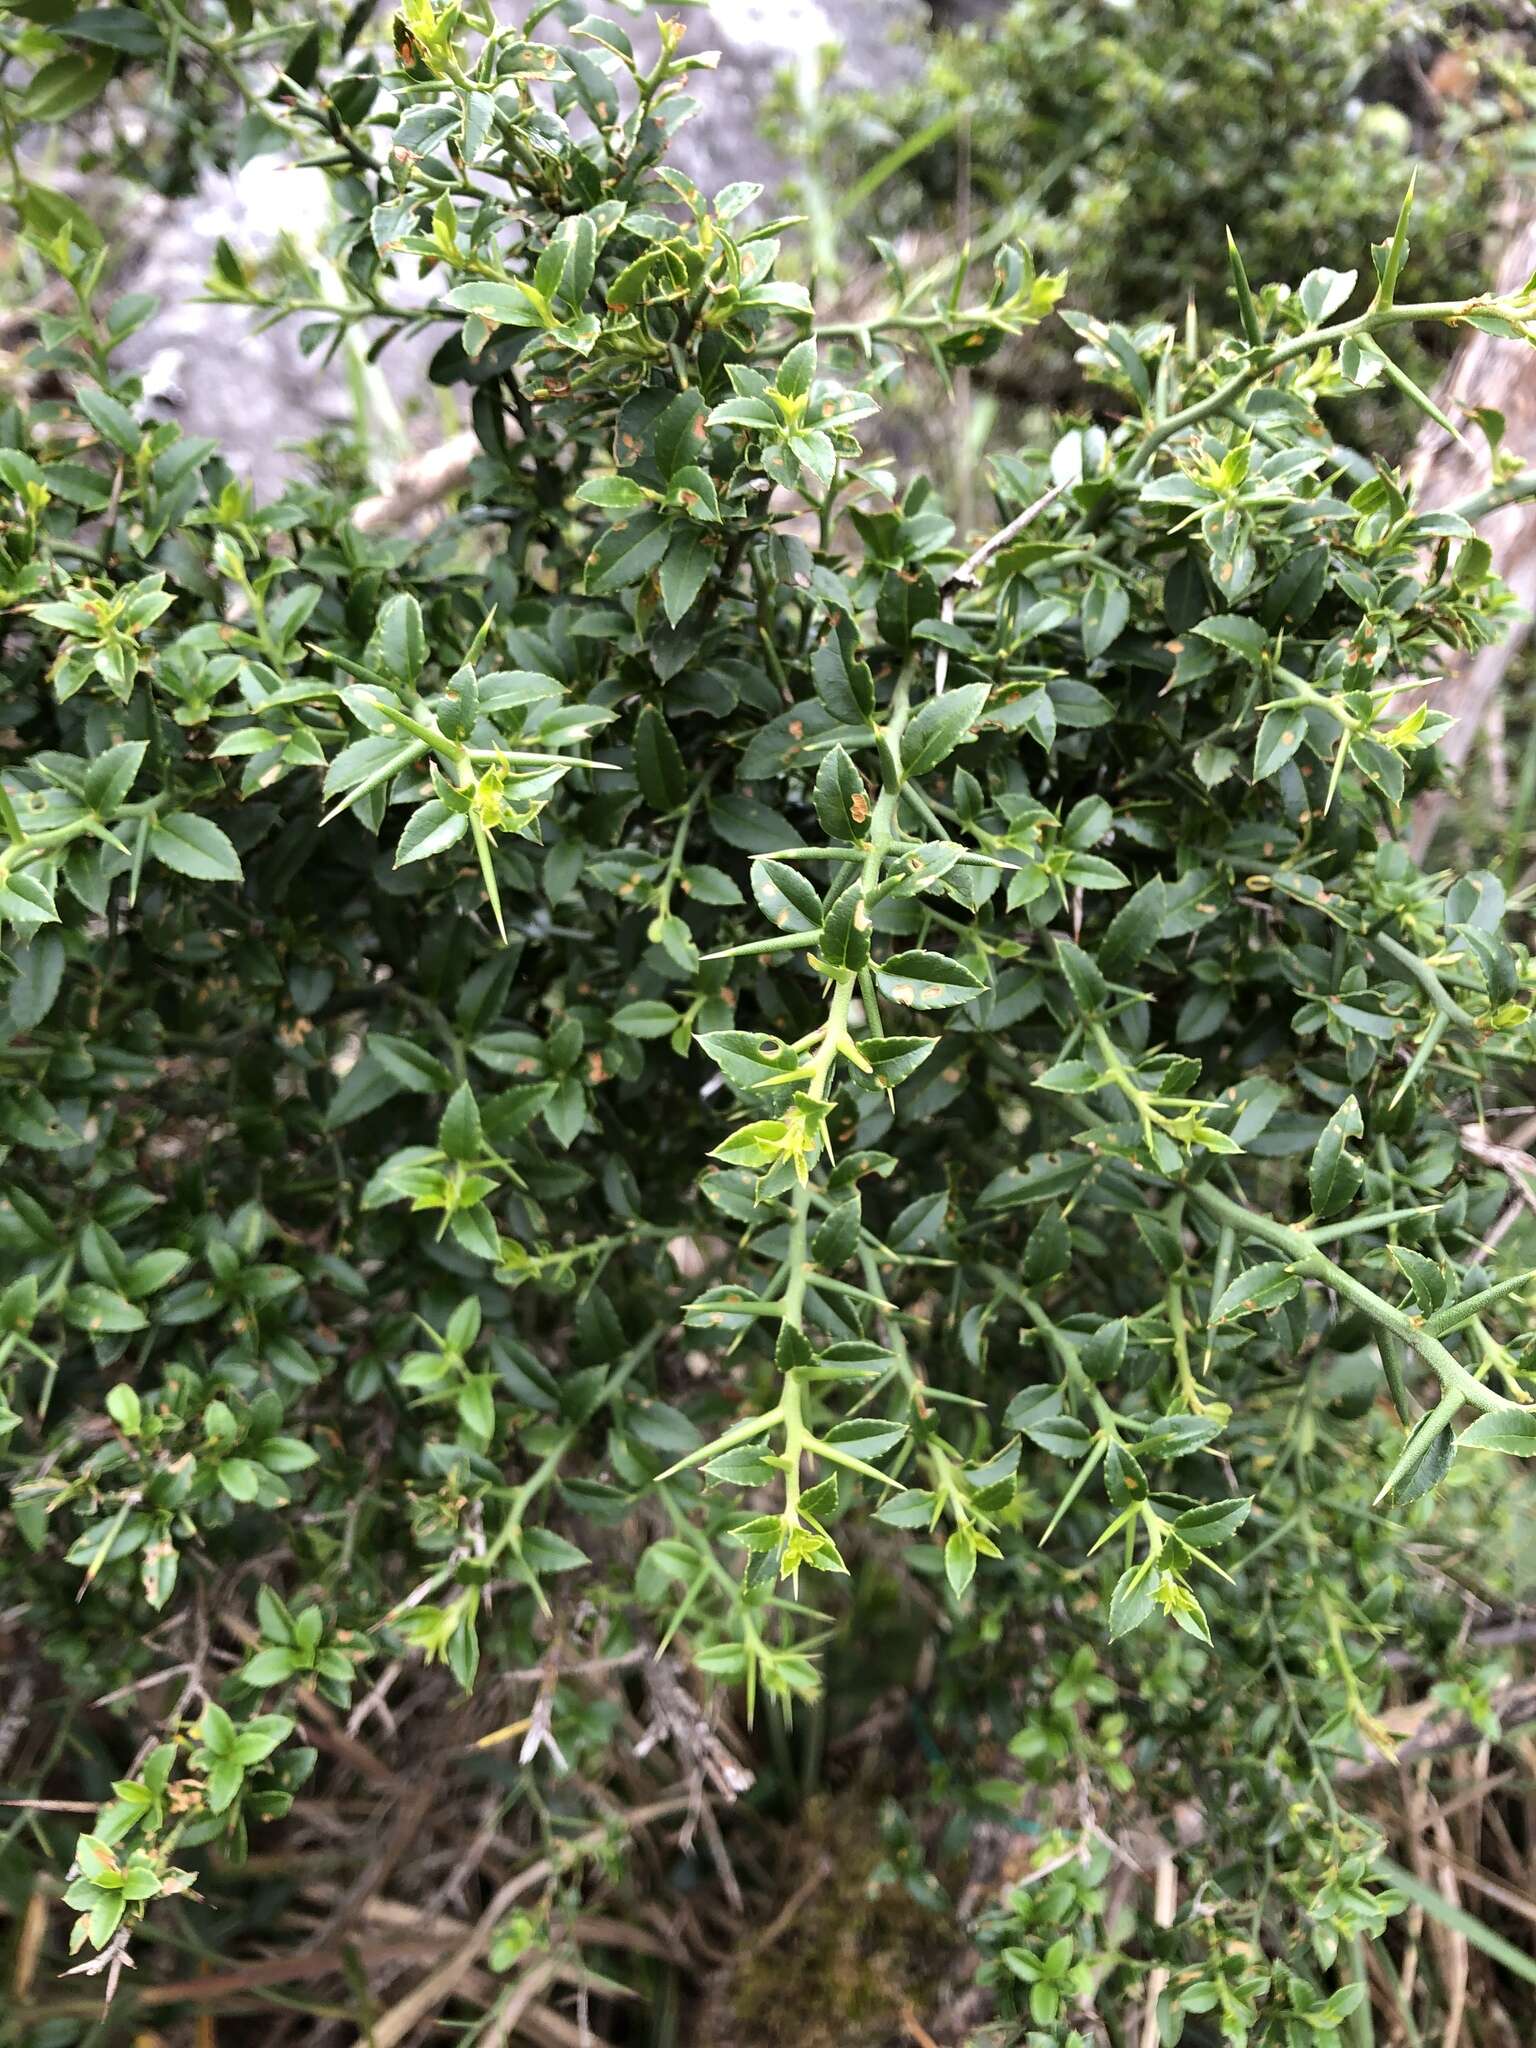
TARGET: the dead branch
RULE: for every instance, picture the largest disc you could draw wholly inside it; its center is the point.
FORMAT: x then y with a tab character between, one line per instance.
1486	372
418	484
1427	1732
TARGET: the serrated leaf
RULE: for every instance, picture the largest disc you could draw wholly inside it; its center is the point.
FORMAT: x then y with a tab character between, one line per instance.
195	847
894	1060
786	897
959	1560
689	559
1512	1431
627	551
910	1510
927	981
1238	635
1256	1291
1279	737
842	802
938	728
1335	1175
431	829
110	417
459	1133
658	763
111	775
1135	928
1106	613
1131	1602
1203	1528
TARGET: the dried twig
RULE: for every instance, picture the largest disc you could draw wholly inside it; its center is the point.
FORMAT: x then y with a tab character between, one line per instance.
914	2029
1165	1894
679	1716
966	573
418	484
791	1909
1495	373
1517	1166
1430	1732
438	1986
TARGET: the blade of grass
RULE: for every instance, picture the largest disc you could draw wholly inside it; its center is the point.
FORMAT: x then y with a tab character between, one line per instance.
1493	1945
894	160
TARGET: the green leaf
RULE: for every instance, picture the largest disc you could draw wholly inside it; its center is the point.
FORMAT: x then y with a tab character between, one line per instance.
645	1020
908	597
270	1667
1335	1175
117	28
689	559
239	1478
755	1144
1245	637
122	1404
1131	1602
938	728
432	828
111	775
797	369
459	1133
1256	1291
1048	1253
1213	764
894	1060
101	1311
786	897
194	846
749	1059
842	802
613	494
39	975
658	763
476	1408
1279	737
502	304
1089	989
1324	292
927	981
544	1551
1512	1431
694	489
225	1778
409	1064
1135	928
399	640
1203	1528
1431	1283
111	418
1106	613
58	89
629	550
959	1560
910	1510
1090	871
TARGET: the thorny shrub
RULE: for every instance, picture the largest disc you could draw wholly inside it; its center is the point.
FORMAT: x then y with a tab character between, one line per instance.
701	1055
